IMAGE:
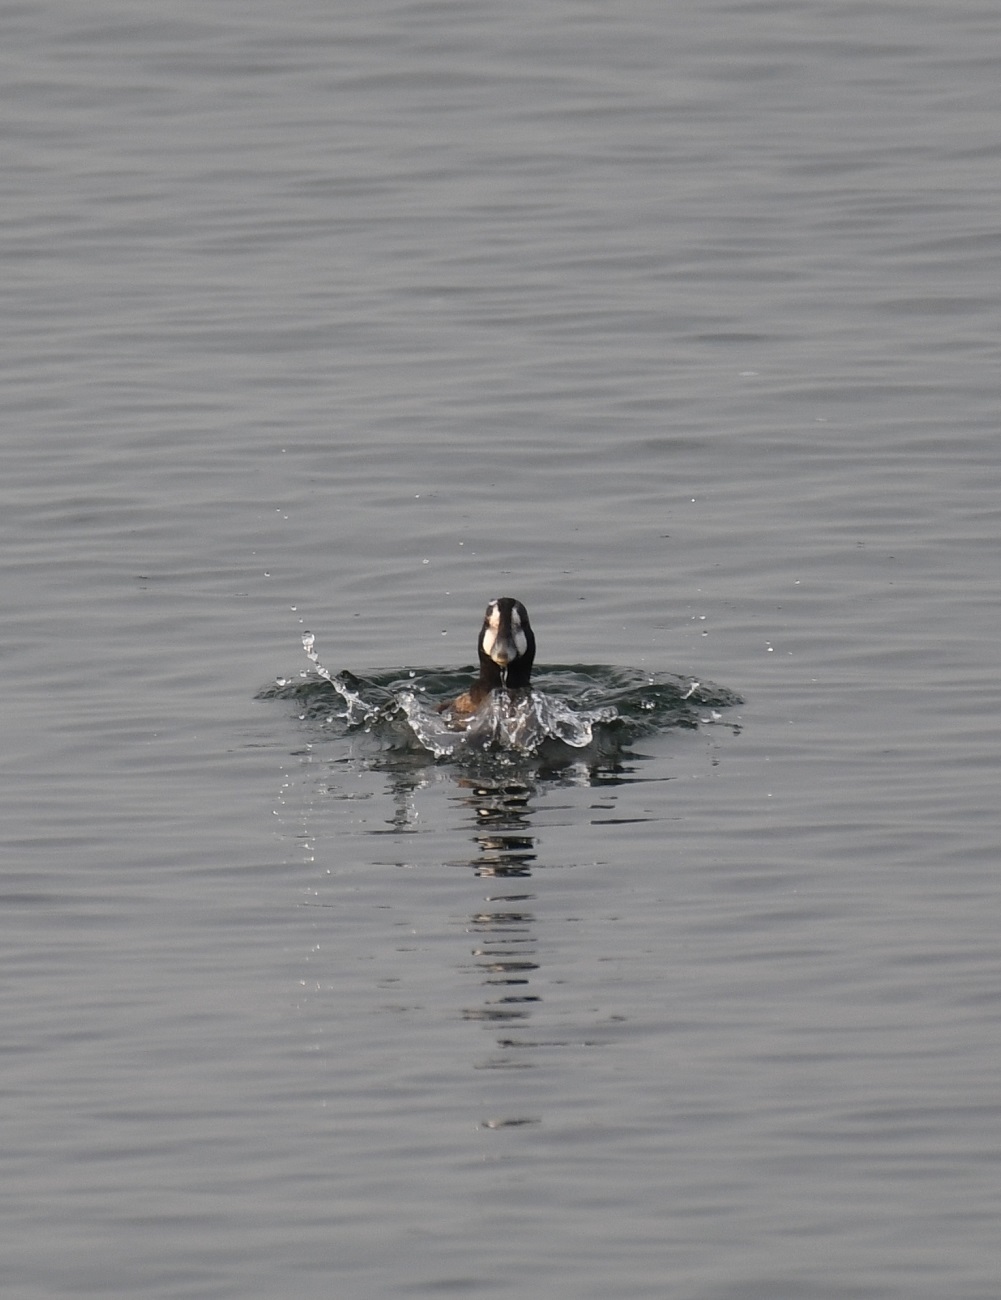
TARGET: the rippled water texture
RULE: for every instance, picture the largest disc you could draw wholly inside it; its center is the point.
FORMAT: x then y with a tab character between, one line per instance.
679	320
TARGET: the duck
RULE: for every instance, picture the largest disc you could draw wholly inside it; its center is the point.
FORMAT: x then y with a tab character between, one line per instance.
506	649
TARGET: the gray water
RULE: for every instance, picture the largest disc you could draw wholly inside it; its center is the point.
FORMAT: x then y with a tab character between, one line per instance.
679	322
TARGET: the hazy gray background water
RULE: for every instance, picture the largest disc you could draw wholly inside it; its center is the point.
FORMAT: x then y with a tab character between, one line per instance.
678	321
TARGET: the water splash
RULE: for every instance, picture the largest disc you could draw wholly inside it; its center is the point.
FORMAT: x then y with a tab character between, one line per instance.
358	711
520	722
399	708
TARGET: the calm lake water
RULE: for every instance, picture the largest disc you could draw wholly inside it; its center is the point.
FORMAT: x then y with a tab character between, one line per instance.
679	322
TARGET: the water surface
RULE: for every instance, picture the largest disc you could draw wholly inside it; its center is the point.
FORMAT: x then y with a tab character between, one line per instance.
678	322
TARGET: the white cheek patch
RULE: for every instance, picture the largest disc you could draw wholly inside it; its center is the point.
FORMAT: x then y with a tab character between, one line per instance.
518	633
491	629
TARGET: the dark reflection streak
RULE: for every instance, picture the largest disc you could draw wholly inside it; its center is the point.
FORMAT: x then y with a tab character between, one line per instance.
622	821
505	955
